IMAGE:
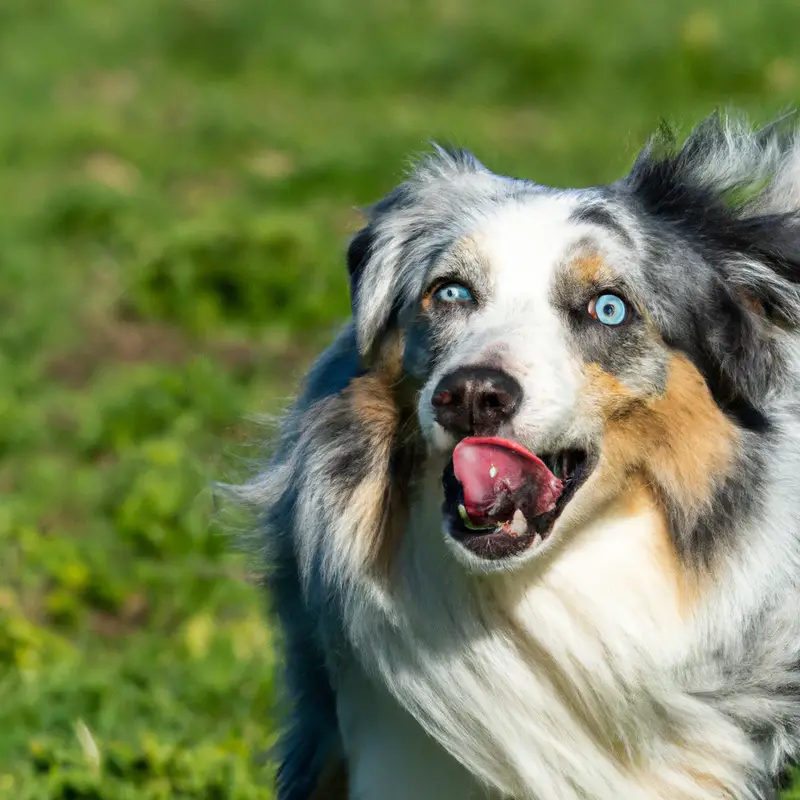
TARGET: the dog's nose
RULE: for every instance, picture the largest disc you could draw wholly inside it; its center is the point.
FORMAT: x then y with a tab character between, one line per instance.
475	400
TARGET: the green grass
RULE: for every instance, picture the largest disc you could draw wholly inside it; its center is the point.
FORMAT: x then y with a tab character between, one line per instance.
178	181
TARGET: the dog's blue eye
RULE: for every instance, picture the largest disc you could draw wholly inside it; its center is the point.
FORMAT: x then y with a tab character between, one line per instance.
453	293
608	309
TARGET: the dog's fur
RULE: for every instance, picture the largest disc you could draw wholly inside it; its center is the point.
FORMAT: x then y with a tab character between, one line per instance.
652	649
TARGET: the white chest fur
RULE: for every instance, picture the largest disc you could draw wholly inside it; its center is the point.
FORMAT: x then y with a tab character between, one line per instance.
551	685
390	756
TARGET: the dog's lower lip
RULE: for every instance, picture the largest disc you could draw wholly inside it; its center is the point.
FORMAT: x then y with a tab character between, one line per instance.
504	539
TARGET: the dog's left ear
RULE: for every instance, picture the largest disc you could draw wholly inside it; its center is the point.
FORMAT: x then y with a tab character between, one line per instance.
760	300
764	275
733	192
738	348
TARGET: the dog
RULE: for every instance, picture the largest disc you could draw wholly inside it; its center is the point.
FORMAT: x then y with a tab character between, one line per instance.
532	528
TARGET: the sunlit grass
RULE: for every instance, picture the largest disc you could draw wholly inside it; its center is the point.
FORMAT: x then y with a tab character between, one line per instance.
178	184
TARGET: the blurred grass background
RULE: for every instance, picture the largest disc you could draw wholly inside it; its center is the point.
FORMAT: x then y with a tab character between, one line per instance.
178	180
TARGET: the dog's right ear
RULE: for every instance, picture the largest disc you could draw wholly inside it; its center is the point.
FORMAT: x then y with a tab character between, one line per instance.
368	307
387	260
374	264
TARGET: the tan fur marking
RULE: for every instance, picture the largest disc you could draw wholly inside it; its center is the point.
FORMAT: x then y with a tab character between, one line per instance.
376	402
608	394
752	302
372	395
681	440
710	784
388	360
373	404
590	268
371	399
700	447
697	778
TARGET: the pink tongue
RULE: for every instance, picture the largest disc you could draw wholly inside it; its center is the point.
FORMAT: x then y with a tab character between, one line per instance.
492	470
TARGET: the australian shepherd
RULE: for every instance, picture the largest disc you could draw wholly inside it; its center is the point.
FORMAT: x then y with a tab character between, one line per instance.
532	529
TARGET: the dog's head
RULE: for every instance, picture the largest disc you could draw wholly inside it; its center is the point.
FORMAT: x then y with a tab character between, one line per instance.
562	345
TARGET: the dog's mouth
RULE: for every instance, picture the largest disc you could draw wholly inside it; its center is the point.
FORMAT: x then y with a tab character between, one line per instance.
500	499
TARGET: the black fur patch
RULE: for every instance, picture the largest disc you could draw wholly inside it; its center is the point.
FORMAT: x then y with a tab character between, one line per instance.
603	217
700	539
418	350
344	435
358	254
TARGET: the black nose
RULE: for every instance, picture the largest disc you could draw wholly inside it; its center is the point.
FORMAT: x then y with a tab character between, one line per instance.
475	400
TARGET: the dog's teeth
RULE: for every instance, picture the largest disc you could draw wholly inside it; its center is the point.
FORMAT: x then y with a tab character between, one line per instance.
518	525
537	540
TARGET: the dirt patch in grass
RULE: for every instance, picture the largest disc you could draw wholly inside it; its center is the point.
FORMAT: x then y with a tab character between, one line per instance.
118	341
121	341
134	614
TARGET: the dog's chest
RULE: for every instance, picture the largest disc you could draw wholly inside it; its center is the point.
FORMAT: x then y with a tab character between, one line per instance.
495	700
390	757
